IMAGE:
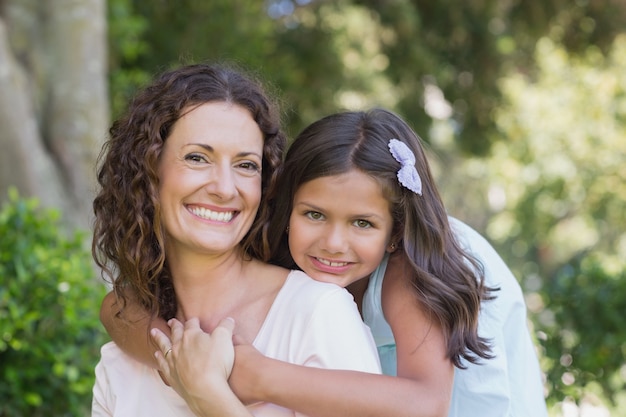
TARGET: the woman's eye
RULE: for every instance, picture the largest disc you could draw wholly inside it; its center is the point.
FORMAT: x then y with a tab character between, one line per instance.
250	166
195	157
314	215
362	224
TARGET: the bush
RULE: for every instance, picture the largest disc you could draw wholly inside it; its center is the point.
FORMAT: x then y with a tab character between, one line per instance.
49	329
587	343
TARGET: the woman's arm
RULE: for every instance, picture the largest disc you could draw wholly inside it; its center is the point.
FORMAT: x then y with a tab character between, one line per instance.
204	388
130	329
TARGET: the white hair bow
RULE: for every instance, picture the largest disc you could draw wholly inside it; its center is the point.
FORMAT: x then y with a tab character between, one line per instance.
407	174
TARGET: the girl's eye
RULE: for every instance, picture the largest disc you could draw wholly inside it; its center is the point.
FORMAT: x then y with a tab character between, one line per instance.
314	215
362	224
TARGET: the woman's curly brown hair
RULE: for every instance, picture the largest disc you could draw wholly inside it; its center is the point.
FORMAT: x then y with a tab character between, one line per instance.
128	239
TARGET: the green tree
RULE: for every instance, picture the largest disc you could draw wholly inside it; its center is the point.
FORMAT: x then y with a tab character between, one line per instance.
464	47
561	176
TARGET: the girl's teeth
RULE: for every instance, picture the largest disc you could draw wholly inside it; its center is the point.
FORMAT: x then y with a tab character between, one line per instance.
332	264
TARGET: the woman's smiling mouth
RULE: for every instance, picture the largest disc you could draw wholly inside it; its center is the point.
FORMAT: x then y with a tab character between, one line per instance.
219	216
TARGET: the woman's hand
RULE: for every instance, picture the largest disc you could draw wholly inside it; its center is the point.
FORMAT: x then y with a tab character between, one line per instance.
195	363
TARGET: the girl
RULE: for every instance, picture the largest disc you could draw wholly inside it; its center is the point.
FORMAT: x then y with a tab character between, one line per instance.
355	187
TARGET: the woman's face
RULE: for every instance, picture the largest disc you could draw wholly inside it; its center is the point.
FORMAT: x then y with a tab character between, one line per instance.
340	227
210	178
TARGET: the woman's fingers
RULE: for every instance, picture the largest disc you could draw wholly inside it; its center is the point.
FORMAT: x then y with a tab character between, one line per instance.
226	325
162	341
177	329
165	346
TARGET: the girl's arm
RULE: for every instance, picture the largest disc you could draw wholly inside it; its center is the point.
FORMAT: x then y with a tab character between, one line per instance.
423	386
326	393
130	329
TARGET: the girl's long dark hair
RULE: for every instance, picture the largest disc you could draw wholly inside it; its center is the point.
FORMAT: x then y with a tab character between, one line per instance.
448	282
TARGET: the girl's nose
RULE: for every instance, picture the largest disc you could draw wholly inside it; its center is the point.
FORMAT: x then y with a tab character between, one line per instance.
336	240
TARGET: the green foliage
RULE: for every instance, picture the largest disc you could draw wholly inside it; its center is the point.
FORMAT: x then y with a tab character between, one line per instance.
563	168
554	187
586	342
49	329
325	56
126	47
463	47
561	220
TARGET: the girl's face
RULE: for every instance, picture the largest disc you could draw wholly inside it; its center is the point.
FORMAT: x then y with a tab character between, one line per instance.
340	227
210	178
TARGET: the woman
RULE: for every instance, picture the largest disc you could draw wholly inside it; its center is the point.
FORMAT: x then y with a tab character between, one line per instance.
182	178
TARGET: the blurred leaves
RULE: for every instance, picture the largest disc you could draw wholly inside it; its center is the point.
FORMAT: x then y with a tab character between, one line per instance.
50	334
563	164
562	219
586	343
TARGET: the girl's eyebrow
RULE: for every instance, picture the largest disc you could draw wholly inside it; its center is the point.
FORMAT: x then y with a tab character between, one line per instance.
309	205
352	216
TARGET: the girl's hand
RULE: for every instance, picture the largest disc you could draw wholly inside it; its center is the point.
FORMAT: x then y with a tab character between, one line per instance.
196	364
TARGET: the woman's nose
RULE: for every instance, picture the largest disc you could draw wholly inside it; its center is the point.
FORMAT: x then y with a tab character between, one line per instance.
221	183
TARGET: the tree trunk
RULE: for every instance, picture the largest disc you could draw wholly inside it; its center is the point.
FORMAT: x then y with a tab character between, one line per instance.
54	109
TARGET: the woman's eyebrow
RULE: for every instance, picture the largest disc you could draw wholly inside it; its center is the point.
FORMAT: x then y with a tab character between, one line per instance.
209	148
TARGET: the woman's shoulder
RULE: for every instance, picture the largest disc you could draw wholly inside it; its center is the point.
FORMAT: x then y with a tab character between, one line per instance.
295	285
298	281
302	300
302	293
270	275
